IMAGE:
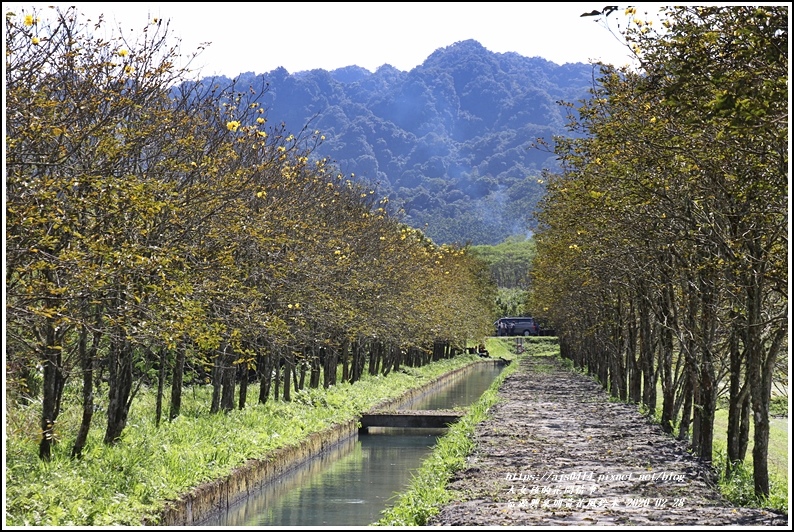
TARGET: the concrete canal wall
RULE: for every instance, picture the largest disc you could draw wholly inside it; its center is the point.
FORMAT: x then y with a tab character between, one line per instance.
214	497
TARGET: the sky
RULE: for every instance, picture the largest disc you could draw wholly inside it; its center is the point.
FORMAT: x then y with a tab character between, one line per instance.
262	36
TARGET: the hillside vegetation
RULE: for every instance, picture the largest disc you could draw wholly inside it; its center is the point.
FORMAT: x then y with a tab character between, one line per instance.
448	142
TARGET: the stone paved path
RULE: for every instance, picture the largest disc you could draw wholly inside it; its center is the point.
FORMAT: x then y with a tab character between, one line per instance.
556	451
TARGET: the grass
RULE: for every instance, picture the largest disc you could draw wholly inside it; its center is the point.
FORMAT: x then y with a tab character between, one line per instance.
131	481
739	489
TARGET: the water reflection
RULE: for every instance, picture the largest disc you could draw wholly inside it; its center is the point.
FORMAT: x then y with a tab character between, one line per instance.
460	393
350	485
353	483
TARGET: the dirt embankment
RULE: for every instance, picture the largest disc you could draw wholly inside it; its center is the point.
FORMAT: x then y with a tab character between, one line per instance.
556	451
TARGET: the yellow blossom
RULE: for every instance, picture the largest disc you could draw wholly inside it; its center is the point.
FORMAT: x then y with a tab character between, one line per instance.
29	20
35	40
129	69
123	53
232	125
260	120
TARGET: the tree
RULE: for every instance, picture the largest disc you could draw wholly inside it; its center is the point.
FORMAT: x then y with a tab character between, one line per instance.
676	205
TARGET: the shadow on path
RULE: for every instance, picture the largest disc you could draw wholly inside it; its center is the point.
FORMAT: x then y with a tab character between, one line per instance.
556	451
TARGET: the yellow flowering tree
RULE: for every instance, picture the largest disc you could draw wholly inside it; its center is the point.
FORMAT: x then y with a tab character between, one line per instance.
662	251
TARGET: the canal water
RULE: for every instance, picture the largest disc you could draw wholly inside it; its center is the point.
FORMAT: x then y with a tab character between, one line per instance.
352	484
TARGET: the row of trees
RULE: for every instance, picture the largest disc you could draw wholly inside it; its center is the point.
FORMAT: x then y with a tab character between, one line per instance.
663	254
159	230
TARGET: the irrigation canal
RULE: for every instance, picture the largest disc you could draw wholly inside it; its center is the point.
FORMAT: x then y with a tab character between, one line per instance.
355	482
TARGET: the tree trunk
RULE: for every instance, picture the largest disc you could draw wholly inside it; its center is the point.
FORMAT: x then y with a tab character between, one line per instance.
288	369
176	382
314	379
617	378
243	385
52	387
345	361
687	394
357	362
635	375
744	424
692	368
329	366
217	381
666	359
265	366
160	387
760	373
373	358
119	386
228	379
278	364
87	357
738	392
708	385
647	357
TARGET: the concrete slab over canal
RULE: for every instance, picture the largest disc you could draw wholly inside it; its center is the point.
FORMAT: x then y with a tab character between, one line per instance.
424	419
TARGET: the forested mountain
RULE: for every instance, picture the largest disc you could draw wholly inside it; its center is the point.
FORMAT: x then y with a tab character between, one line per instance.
447	142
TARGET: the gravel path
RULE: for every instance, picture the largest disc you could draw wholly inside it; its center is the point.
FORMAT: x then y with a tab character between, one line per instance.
556	451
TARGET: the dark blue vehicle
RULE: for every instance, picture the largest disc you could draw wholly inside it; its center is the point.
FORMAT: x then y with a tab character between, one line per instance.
517	326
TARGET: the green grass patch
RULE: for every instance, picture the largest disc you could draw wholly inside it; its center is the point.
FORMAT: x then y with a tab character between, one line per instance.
739	486
739	489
